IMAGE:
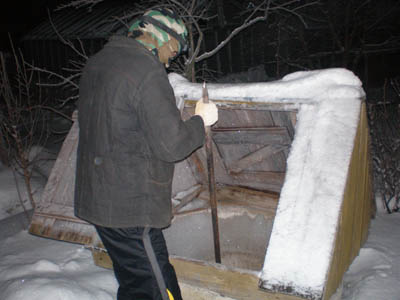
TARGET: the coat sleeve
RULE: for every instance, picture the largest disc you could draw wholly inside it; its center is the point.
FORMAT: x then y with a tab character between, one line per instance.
169	137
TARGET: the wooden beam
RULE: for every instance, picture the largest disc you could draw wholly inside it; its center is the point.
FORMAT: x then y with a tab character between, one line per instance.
197	167
238	284
255	157
188	198
260	103
269	180
248	198
62	229
258	136
355	214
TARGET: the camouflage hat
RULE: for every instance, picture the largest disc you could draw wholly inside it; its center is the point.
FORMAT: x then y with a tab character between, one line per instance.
162	24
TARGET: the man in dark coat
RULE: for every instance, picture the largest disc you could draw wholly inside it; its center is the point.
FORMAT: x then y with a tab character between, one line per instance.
130	136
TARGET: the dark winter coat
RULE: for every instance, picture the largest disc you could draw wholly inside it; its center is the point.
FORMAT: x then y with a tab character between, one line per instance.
130	135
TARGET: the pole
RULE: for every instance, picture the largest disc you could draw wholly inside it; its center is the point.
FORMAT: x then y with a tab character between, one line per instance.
211	184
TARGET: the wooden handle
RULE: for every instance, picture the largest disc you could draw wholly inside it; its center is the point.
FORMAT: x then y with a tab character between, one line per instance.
205	93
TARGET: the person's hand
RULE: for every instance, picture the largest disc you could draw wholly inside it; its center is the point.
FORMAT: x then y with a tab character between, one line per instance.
207	111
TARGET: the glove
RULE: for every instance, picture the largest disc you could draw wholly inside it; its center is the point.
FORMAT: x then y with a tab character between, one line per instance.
207	111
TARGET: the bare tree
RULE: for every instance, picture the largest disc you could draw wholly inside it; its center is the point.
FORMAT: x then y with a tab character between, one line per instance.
71	73
201	15
23	120
385	134
341	33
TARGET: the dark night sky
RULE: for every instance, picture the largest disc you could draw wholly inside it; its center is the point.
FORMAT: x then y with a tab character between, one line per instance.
18	17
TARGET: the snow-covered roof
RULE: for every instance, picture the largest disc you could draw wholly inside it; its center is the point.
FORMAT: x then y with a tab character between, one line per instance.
97	22
302	240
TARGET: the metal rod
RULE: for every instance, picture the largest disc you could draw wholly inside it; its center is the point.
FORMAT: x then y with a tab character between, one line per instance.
211	184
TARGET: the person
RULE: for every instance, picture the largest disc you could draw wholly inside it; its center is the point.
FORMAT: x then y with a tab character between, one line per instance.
130	135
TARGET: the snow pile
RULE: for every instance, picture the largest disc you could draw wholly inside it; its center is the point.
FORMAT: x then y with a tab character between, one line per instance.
375	273
34	268
38	269
302	239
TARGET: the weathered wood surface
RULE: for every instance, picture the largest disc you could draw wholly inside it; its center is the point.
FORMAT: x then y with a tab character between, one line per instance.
54	214
256	179
238	284
255	135
194	193
261	163
251	148
248	199
356	209
258	166
59	228
255	162
255	157
244	104
232	283
257	202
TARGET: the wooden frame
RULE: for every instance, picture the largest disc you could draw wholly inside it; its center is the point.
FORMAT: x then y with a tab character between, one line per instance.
54	219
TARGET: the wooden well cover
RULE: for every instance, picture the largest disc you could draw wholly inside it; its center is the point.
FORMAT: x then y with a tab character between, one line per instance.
250	147
250	150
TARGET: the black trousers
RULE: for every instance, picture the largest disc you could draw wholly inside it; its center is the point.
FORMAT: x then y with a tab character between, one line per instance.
132	265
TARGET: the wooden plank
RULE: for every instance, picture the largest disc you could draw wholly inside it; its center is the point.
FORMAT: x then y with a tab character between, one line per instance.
355	212
243	193
352	208
248	199
235	139
360	181
62	229
61	183
275	162
248	104
197	166
232	283
368	194
284	119
55	209
237	284
258	136
101	258
58	216
235	196
188	198
234	117
265	181
255	157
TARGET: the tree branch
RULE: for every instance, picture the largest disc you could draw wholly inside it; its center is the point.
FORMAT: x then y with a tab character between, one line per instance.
226	41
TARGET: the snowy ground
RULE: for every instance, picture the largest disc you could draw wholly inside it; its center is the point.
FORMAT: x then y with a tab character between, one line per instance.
35	268
375	273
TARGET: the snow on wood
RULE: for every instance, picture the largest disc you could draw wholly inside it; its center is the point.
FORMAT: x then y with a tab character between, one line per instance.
302	242
310	86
